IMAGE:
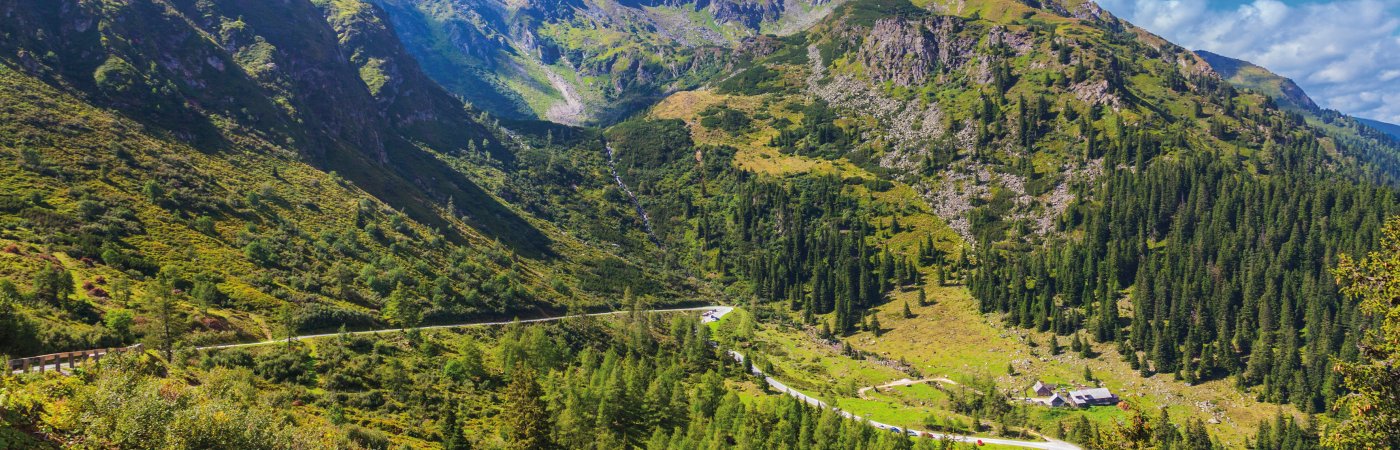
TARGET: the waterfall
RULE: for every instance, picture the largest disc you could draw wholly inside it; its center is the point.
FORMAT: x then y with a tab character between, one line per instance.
646	219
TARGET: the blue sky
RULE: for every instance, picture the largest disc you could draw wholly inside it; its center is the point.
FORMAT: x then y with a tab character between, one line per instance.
1344	53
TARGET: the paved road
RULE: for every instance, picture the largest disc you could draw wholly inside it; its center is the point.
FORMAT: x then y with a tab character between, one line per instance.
710	311
1048	444
709	314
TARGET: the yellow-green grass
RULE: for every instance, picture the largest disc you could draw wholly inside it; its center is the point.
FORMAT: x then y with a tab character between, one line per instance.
754	154
312	200
950	338
901	201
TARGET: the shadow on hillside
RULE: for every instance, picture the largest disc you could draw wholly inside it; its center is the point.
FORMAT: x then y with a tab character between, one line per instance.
419	184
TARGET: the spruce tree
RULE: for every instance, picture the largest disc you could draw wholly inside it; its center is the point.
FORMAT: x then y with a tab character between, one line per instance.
524	416
451	432
1373	419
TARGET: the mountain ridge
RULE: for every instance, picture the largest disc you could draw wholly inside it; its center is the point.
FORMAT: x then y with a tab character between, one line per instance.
1387	128
1248	75
883	189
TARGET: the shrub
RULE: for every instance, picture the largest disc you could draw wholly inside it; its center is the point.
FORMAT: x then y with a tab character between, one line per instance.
318	317
291	366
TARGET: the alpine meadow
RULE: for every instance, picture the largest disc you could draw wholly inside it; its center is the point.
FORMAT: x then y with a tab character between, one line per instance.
677	225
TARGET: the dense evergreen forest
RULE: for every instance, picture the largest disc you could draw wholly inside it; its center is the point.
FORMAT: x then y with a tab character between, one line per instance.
806	241
1195	268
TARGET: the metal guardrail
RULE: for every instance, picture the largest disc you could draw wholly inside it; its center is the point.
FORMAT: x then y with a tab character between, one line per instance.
55	361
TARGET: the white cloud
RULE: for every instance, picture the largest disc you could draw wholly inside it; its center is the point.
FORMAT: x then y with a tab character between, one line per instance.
1344	53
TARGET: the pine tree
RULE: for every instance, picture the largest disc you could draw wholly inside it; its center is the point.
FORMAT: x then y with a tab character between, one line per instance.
1196	437
1374	410
524	417
907	313
168	322
451	431
53	284
401	309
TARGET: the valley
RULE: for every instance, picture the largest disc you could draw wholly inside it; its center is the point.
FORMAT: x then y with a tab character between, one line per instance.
671	224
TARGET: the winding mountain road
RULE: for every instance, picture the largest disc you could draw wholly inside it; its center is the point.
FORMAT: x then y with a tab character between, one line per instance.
715	311
709	314
1049	444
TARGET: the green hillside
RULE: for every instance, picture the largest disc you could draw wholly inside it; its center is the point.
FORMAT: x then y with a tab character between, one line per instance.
1390	129
972	195
1246	75
351	195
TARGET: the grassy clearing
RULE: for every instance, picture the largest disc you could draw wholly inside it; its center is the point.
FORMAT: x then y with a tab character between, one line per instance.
949	338
754	153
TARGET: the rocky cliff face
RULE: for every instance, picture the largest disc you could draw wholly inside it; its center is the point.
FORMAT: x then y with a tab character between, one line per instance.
899	52
749	13
910	52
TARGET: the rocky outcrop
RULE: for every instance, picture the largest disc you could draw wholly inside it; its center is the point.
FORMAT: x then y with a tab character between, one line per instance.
1091	11
908	124
1096	92
749	13
909	53
899	52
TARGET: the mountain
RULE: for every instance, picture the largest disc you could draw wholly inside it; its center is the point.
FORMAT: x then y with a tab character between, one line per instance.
1387	128
585	61
1246	75
1287	94
907	203
271	160
1082	178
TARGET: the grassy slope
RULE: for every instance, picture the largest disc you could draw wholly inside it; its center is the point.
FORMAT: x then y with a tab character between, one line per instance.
81	165
949	338
74	169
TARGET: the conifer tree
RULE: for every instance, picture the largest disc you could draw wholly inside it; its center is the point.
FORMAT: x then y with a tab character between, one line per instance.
1374	409
451	431
524	417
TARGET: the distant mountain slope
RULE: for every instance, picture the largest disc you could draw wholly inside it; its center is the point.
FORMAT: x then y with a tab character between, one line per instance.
1247	75
1387	128
1289	96
584	61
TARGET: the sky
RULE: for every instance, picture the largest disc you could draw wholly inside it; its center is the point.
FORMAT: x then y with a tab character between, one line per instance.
1344	53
